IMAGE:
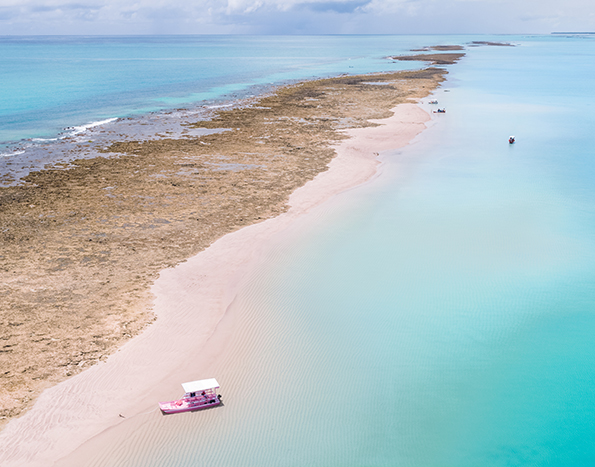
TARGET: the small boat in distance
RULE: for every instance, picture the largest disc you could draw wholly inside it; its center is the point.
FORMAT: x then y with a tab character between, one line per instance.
440	111
198	395
511	140
433	101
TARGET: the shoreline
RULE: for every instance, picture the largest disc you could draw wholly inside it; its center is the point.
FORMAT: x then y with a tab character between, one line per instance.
210	278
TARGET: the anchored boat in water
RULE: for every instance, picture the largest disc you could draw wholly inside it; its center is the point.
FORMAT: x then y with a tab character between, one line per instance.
198	395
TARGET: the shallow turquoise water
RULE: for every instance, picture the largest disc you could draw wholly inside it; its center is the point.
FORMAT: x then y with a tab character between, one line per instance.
462	286
440	316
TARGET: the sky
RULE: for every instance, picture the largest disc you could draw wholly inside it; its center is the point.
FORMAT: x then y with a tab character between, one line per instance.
24	17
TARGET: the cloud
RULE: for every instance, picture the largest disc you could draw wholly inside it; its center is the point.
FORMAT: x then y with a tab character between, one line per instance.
64	6
293	16
336	7
250	6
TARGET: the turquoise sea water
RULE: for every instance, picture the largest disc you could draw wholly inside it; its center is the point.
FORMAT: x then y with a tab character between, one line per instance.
442	314
53	82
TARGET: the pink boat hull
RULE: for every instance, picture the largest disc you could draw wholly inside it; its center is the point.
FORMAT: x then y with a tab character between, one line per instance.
189	404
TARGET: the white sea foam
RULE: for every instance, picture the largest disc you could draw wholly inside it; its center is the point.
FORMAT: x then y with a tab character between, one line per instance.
43	140
218	106
9	154
76	130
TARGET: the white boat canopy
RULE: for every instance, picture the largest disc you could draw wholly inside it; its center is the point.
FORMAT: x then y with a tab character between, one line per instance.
201	385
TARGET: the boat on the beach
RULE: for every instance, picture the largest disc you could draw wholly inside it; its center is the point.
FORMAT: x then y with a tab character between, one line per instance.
198	395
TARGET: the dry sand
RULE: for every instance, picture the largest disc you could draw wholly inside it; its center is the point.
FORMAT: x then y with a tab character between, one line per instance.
191	300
